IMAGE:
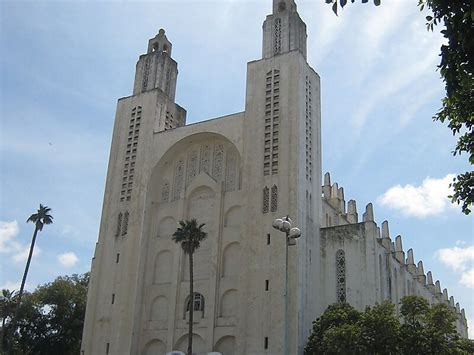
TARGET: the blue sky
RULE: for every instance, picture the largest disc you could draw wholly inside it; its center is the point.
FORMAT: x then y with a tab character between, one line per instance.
64	64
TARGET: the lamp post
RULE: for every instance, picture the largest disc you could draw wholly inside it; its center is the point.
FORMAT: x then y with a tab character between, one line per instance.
292	233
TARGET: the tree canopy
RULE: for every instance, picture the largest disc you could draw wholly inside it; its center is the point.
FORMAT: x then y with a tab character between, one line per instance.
50	319
341	329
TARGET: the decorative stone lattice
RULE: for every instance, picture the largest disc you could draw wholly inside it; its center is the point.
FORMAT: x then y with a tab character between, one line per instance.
125	223
277	37
231	171
168	81
178	179
218	162
272	122
309	135
192	169
119	224
131	154
266	200
169	121
218	159
205	165
341	276
146	73
165	192
274	201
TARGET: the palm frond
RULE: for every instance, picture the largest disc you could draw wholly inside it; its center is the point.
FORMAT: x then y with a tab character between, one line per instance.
41	217
189	234
33	218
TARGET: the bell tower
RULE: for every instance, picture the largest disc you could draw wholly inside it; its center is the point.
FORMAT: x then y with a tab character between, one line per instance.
156	69
283	30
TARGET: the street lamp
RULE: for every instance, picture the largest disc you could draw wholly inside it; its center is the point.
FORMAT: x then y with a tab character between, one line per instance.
284	225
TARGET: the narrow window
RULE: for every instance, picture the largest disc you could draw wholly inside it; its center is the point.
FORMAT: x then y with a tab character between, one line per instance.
265	345
107	348
113	298
119	224
381	278
125	222
267	284
268	239
118	258
266	197
274	198
341	276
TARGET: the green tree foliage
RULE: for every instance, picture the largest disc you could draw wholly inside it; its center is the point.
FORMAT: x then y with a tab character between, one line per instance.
336	331
380	329
424	330
50	319
190	234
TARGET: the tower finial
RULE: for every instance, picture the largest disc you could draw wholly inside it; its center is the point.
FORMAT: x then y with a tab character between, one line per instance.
283	5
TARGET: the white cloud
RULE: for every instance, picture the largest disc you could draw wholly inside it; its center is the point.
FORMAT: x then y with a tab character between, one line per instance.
430	198
8	245
456	258
461	260
467	278
8	231
68	259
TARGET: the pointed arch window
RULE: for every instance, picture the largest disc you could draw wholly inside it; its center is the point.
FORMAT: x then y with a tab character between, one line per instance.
341	276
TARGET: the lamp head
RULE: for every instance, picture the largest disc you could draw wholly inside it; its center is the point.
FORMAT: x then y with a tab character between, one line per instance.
277	223
286	226
295	233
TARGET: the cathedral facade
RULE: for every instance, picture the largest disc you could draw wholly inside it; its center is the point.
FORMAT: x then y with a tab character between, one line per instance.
236	174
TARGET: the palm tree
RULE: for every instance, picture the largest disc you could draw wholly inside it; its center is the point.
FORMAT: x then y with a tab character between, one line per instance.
39	218
190	234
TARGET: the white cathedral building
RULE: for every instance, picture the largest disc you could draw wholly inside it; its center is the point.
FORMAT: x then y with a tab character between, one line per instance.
236	174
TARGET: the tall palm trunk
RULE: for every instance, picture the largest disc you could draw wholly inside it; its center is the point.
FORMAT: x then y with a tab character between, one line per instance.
191	305
27	267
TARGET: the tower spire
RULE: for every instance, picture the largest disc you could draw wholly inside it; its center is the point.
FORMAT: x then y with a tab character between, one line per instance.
283	5
156	69
283	30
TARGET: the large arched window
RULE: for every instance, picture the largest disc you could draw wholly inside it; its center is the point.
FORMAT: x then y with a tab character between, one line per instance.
341	276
